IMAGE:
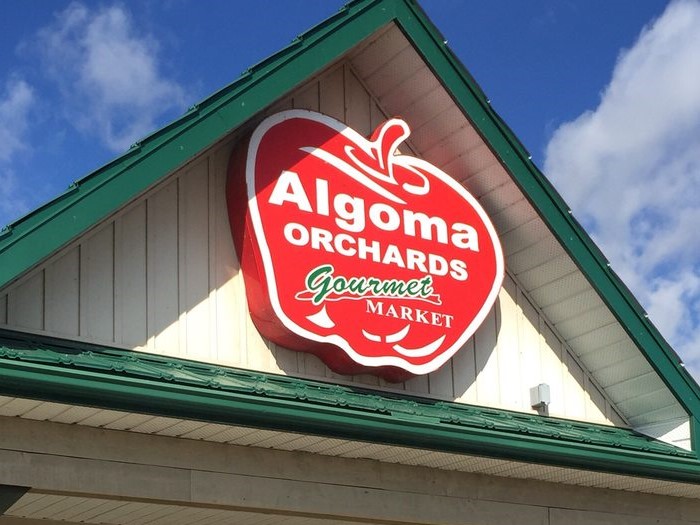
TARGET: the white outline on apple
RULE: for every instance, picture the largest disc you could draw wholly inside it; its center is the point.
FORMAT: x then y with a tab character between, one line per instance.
335	339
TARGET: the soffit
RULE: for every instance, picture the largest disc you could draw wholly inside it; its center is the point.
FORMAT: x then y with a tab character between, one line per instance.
81	509
344	448
404	85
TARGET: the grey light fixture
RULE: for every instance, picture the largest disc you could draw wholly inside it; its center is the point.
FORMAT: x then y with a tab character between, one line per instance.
540	399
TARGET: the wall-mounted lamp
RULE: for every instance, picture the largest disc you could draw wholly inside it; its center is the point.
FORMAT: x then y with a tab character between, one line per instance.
539	398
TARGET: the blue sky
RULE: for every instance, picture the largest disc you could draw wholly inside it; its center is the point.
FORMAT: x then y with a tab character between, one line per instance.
605	95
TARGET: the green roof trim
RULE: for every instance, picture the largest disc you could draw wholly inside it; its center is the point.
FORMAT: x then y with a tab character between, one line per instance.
43	368
90	200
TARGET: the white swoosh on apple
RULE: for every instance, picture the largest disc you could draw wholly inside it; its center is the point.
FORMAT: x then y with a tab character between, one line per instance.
352	172
421	351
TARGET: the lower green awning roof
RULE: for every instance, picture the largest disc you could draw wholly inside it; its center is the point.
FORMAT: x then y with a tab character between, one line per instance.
63	371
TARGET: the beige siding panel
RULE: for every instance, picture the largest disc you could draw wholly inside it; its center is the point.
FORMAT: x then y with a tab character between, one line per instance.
486	355
377	115
130	292
419	385
307	98
432	103
508	347
26	303
529	348
560	289
97	285
287	361
311	365
553	371
595	404
194	261
259	351
280	105
441	383
212	262
227	295
464	373
367	379
357	105
575	395
163	281
332	93
63	294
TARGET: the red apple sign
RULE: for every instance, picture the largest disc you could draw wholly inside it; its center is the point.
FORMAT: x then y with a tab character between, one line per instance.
373	260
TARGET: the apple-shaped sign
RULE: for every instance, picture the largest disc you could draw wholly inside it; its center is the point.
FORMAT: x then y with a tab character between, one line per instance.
375	261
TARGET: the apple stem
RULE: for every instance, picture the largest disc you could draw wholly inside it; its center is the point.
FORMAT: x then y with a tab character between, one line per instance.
387	138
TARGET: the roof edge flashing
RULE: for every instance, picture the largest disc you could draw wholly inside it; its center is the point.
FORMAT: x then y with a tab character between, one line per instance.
83	374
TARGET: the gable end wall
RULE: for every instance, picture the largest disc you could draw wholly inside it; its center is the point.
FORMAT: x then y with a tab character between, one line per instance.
162	276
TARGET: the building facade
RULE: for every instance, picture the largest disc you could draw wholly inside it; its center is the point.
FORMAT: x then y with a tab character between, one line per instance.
135	387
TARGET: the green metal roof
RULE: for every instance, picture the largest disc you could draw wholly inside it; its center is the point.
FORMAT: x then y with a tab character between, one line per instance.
34	237
43	368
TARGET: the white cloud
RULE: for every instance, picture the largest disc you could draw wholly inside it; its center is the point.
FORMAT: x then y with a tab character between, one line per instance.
12	200
630	169
108	73
14	110
15	105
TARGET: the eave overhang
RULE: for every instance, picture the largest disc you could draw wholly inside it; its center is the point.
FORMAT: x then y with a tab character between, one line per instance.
62	371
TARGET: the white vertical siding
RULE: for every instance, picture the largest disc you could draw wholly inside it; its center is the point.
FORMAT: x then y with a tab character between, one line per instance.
486	362
530	345
162	269
332	93
62	302
553	369
162	276
25	302
193	236
229	310
97	285
508	347
130	289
